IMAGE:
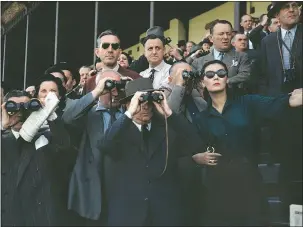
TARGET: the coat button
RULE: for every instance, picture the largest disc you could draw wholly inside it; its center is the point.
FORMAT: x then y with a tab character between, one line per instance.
148	181
146	166
39	203
3	173
146	199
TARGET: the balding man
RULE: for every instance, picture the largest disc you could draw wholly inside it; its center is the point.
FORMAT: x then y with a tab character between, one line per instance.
187	102
93	119
246	24
182	93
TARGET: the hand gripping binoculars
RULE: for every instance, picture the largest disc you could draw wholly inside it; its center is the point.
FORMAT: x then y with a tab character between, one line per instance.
13	107
151	97
111	84
188	75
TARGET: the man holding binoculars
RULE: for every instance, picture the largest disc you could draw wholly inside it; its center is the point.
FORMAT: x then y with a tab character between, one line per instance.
92	114
29	154
141	180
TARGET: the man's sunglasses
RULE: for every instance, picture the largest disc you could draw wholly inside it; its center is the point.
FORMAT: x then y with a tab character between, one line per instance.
220	73
115	46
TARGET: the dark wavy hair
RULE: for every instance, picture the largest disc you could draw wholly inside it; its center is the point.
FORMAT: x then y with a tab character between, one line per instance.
58	82
129	58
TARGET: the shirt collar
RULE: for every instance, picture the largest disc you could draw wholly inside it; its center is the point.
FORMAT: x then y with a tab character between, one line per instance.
158	67
213	111
216	53
140	126
16	134
293	31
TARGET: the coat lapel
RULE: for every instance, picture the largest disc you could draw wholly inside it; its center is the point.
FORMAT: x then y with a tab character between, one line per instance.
27	152
158	137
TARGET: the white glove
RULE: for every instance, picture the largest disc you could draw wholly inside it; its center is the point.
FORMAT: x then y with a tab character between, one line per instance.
33	123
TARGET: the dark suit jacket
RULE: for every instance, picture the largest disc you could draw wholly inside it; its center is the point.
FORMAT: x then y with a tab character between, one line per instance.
91	82
133	184
272	71
237	64
256	35
33	184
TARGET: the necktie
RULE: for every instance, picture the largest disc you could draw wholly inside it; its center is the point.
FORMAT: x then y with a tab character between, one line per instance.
286	54
145	133
152	74
221	55
112	116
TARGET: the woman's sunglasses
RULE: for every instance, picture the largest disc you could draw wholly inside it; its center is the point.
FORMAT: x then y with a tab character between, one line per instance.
115	46
220	73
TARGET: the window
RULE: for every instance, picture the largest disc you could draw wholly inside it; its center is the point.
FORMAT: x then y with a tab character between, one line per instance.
138	49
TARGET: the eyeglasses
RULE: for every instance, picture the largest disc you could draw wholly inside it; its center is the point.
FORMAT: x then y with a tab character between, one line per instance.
115	46
220	73
293	5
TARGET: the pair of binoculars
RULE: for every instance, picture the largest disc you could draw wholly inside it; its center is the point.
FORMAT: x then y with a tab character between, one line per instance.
13	107
111	84
151	97
188	75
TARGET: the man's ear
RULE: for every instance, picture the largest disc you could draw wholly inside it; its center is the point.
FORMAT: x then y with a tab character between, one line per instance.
74	82
211	38
170	79
97	52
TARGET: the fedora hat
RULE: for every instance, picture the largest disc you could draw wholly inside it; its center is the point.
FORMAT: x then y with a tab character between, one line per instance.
276	6
140	84
158	32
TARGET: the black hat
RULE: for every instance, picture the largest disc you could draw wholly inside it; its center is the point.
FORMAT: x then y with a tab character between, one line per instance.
140	84
275	7
206	40
158	32
181	43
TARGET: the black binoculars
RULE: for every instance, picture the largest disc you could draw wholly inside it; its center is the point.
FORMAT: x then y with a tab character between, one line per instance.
151	97
13	107
188	75
111	84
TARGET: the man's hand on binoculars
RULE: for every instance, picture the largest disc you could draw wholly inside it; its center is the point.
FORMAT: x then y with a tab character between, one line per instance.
163	107
7	120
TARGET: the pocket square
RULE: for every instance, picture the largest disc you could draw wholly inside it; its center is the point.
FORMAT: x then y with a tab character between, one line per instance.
235	63
41	142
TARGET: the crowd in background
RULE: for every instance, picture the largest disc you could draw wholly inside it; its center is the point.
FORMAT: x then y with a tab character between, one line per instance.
171	138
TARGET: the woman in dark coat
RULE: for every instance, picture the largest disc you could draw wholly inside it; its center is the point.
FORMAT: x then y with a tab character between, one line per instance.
233	194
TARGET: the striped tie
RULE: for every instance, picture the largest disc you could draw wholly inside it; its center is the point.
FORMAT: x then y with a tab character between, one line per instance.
286	54
221	55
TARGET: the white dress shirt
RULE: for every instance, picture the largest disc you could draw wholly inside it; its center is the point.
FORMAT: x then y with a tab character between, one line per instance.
127	113
250	45
160	76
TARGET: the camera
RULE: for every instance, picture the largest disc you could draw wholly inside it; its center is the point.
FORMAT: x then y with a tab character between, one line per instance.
13	107
111	84
188	75
151	97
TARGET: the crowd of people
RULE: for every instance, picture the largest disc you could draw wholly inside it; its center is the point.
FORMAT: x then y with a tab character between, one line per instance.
169	139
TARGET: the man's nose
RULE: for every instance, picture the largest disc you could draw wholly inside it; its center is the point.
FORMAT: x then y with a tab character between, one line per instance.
225	36
154	51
